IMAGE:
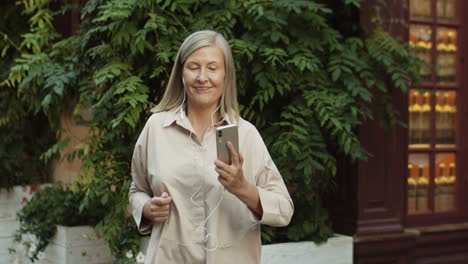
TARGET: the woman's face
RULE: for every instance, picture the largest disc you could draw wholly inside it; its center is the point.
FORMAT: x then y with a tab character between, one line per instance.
203	74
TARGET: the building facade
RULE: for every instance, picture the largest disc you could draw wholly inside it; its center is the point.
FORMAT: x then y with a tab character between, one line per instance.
407	204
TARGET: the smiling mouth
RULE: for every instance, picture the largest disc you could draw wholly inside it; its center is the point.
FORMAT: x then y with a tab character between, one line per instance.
201	88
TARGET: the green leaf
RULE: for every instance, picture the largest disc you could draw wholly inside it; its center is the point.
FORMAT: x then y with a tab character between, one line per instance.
46	101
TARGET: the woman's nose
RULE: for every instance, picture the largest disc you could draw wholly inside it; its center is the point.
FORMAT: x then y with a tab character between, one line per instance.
202	76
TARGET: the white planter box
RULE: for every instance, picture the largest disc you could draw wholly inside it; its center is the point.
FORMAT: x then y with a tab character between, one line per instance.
337	250
73	245
77	245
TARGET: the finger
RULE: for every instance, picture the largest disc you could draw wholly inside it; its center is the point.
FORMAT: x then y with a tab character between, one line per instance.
158	208
222	173
161	200
241	158
160	219
223	181
221	165
161	214
154	200
234	153
164	195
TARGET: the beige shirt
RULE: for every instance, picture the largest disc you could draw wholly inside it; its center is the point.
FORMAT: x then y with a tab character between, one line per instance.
167	157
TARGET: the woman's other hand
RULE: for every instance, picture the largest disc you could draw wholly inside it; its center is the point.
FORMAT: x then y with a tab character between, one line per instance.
231	176
157	209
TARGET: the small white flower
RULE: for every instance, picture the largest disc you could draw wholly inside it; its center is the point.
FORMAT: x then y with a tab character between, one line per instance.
129	254
32	248
25	237
140	258
40	255
32	238
21	247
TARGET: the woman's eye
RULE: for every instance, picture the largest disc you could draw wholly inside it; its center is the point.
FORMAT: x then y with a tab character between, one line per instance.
212	69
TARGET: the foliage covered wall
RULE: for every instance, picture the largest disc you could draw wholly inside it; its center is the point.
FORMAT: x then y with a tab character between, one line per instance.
305	78
24	133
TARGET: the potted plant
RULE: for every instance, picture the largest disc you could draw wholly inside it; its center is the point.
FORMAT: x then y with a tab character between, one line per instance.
53	217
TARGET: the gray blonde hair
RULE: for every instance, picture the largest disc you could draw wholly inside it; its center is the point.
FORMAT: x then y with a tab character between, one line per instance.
174	95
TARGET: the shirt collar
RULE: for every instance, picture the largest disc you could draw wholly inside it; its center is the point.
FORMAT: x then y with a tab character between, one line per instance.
225	120
171	117
177	115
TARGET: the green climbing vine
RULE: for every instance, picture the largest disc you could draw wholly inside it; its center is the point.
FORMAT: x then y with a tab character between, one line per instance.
306	81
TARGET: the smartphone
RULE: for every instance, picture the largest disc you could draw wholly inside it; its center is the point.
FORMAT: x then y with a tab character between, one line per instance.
223	135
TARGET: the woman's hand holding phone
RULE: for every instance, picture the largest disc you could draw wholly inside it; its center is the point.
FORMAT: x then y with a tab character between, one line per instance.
231	176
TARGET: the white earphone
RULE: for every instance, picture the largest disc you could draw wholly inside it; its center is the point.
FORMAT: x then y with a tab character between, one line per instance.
183	101
202	226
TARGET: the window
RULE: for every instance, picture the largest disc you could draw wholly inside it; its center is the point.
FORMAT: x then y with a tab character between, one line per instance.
433	150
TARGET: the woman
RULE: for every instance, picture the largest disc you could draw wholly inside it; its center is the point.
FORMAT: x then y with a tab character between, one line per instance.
199	209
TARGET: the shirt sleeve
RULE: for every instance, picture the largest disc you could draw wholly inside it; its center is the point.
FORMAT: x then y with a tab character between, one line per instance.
276	202
140	191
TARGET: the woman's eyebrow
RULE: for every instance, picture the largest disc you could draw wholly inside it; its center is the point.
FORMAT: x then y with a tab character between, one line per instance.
196	63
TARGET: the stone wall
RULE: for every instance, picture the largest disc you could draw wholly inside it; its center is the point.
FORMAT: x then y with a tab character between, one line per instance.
76	130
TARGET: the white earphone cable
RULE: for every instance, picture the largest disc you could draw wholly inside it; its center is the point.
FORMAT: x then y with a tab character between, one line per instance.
203	224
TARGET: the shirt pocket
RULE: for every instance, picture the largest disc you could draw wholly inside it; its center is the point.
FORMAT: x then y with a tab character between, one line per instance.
170	251
234	221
